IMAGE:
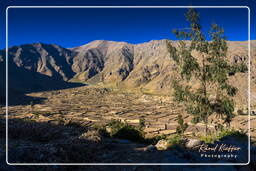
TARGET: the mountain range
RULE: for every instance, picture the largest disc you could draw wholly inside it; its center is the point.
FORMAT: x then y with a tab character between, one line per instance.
40	66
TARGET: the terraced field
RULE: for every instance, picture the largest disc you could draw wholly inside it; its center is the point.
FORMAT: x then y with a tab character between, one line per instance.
91	105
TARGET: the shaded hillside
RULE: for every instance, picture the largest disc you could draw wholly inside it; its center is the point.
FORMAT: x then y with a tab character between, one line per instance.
35	67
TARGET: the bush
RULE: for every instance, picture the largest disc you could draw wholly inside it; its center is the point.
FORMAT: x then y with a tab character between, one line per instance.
224	134
239	135
122	130
182	126
130	133
174	140
211	138
114	126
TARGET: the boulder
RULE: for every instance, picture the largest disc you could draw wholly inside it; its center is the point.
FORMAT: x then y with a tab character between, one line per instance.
192	143
162	145
91	135
109	129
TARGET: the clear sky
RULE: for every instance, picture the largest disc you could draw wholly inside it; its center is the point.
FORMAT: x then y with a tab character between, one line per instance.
74	27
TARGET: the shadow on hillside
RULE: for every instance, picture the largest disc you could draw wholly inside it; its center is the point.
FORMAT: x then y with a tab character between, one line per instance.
22	99
31	142
34	142
22	81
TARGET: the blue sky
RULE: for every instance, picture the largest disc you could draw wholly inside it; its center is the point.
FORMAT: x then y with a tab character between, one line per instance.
75	27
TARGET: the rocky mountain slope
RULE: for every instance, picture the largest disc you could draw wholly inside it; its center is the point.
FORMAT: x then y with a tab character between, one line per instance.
146	65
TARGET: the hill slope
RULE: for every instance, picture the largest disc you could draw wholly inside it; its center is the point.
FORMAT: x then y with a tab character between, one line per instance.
146	65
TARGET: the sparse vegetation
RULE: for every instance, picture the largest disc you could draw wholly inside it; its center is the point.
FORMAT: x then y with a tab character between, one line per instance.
211	70
181	128
174	140
209	138
118	129
129	132
225	133
237	134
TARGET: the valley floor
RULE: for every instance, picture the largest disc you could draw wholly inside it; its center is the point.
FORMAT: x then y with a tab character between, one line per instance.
90	105
63	115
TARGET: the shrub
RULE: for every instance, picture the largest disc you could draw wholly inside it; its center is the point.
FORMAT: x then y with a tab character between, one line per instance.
115	126
210	138
239	135
130	133
122	130
174	140
182	126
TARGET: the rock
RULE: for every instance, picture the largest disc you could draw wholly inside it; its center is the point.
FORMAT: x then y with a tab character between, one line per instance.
91	135
162	145
192	143
108	129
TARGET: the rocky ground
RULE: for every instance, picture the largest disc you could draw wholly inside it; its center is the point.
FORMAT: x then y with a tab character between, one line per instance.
50	131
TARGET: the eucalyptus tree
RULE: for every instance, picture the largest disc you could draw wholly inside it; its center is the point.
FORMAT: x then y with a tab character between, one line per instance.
202	84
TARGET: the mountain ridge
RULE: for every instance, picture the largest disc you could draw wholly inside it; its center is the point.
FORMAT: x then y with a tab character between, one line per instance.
145	65
235	41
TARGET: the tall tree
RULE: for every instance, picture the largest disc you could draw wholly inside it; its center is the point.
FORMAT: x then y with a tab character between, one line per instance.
202	85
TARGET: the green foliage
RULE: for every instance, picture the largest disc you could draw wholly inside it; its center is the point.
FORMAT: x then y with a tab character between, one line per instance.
209	138
239	135
181	93
241	67
181	128
224	109
174	140
224	133
212	69
124	131
130	133
115	126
